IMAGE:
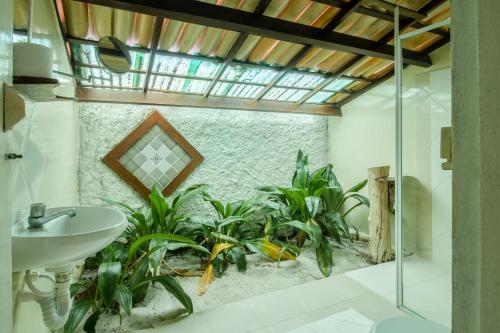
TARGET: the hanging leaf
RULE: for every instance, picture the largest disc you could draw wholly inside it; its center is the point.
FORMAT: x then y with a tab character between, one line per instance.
205	280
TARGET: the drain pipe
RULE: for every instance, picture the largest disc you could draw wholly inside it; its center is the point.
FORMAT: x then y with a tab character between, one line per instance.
56	303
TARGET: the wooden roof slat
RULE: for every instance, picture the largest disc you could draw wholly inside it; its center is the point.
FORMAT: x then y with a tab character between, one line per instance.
187	100
231	19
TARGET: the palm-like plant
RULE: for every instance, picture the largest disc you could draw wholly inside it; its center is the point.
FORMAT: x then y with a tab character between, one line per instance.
230	235
313	205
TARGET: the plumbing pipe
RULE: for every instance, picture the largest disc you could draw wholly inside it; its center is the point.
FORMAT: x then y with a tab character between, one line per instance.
56	303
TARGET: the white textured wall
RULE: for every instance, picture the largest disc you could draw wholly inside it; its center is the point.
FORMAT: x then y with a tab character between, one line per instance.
242	149
47	139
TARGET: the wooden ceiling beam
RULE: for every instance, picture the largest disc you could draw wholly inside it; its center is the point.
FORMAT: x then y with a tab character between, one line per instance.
154	48
198	101
232	19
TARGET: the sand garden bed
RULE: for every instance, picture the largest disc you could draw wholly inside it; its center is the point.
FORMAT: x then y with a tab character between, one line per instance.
262	276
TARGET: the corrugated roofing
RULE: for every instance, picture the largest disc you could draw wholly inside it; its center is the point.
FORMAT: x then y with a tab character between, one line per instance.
192	55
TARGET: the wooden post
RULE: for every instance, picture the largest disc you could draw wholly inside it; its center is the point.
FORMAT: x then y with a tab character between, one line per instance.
379	218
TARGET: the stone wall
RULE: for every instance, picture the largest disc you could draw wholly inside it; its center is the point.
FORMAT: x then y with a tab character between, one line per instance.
242	149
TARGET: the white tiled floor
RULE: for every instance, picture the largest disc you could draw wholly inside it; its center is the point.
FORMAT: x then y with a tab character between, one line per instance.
369	292
427	286
349	321
285	310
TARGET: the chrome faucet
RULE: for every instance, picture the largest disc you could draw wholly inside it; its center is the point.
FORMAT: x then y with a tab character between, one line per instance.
37	216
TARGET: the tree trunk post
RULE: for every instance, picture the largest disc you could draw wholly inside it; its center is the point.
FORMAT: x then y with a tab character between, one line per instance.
379	226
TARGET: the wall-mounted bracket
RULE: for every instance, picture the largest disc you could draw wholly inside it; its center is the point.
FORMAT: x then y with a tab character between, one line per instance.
446	148
14	107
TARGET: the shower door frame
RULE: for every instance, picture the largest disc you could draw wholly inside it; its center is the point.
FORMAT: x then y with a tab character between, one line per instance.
398	57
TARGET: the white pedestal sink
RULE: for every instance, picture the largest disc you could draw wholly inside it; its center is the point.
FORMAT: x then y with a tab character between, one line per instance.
60	243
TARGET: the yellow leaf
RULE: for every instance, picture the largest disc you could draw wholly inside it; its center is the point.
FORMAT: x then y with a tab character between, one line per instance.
206	279
276	252
218	248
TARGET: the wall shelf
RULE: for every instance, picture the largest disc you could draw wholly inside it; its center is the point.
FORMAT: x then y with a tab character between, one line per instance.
16	96
14	108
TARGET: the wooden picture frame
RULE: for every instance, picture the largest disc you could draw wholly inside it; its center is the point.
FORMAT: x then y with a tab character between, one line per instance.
113	158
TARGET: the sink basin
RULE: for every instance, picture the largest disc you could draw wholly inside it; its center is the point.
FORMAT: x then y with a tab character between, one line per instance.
65	240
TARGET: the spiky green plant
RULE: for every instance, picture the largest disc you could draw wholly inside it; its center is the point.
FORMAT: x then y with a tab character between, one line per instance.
313	205
230	235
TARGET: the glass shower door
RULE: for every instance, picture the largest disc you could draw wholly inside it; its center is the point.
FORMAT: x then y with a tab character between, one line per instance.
424	191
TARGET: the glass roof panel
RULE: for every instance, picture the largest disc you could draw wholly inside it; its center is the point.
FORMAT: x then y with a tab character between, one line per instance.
168	64
102	78
249	74
337	85
300	80
193	75
274	93
320	97
296	96
236	90
185	85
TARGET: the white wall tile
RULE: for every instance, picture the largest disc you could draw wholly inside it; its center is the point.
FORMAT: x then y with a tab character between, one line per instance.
5	241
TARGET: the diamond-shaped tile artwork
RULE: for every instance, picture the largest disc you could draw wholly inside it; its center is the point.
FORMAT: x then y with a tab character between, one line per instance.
154	153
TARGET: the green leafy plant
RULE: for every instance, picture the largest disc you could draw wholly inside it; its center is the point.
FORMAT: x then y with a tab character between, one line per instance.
312	208
127	267
160	217
122	280
230	235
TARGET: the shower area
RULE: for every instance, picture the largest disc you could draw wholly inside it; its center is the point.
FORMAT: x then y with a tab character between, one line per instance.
424	185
